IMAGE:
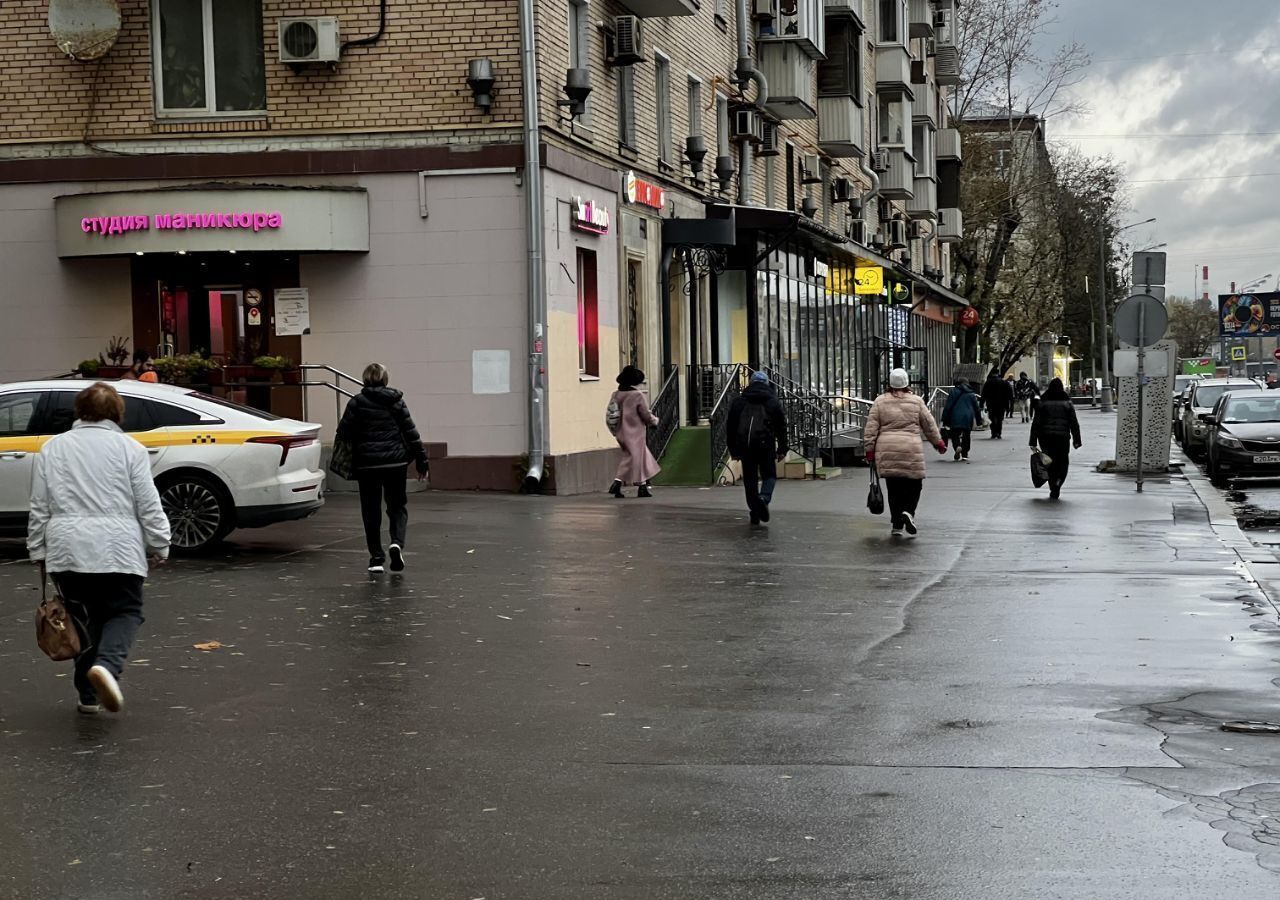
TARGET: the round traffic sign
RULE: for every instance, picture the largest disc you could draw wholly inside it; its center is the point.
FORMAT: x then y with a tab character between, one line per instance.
1276	353
1141	320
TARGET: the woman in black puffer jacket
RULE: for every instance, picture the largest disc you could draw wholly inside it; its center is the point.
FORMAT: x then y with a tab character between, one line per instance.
383	441
1055	428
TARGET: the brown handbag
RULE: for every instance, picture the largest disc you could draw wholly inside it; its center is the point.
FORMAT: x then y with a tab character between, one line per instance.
56	631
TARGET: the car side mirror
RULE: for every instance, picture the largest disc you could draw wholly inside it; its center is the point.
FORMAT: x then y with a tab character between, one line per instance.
1209	418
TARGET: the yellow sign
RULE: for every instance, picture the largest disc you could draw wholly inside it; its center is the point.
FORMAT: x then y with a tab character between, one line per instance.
1239	354
868	280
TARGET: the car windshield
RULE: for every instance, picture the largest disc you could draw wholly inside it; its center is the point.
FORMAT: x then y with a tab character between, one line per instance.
1208	395
1182	382
208	398
1241	410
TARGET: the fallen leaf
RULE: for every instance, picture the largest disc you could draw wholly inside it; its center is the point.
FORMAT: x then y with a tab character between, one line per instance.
208	645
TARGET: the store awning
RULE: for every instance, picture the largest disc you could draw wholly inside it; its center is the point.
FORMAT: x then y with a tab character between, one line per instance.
214	217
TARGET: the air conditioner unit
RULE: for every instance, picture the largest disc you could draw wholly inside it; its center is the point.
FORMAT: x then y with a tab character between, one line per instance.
627	49
769	144
763	10
898	234
877	240
915	231
880	161
842	190
305	39
858	231
748	126
811	169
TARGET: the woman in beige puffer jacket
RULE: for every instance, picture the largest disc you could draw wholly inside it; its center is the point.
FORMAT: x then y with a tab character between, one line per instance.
897	425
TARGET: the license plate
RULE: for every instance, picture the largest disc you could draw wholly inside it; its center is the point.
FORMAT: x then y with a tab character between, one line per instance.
1266	460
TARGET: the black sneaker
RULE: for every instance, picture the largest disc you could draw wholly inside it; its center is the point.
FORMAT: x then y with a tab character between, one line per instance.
397	558
616	489
764	512
910	523
755	519
644	491
375	566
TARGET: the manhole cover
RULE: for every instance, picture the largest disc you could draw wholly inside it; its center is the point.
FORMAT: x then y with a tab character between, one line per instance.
1252	727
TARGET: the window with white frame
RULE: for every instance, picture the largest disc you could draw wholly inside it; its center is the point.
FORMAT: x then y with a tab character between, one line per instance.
662	88
208	57
894	121
580	44
892	27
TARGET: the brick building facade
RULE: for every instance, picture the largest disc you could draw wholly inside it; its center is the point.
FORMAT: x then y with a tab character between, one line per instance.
192	98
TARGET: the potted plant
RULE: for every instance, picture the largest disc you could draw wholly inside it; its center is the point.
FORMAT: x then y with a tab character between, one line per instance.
273	365
118	353
167	369
88	368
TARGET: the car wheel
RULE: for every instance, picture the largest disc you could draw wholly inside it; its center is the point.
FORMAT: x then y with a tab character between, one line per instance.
199	510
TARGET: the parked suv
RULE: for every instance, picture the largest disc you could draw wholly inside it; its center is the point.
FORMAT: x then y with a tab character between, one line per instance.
1204	394
218	465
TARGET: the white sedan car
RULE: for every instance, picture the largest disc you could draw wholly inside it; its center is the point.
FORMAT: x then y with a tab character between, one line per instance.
218	465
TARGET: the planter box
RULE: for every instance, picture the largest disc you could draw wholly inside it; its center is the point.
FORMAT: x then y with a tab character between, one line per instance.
292	376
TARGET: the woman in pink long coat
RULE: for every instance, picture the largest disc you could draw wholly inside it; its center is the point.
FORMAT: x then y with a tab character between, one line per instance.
634	419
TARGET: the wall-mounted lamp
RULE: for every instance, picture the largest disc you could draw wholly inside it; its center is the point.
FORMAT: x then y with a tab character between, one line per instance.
724	171
480	79
577	85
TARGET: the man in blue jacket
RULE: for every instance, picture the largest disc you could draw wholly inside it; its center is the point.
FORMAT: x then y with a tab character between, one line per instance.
960	415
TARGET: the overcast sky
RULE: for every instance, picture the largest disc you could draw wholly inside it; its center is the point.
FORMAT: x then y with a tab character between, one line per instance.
1172	85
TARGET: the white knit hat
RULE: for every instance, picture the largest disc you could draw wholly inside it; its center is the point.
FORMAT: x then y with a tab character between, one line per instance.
899	379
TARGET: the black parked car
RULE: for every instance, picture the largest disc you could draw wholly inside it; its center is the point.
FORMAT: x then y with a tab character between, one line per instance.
1244	436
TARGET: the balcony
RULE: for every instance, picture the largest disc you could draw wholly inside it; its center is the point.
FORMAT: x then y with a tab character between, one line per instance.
924	105
893	70
805	27
661	9
790	73
840	130
949	145
924	200
920	15
898	181
950	226
946	65
853	9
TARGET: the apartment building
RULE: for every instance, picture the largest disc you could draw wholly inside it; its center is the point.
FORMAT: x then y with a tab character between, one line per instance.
344	182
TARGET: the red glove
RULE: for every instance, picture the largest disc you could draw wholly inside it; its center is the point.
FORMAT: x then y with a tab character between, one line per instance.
871	456
942	446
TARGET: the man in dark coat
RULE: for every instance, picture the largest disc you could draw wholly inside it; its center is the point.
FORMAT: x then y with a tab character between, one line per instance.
1056	429
383	442
757	433
998	397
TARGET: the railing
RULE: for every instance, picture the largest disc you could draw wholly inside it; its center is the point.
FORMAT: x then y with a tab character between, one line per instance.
719	415
706	383
810	417
938	401
666	406
849	414
339	392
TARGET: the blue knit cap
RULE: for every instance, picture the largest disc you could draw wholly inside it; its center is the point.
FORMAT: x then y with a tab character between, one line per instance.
759	377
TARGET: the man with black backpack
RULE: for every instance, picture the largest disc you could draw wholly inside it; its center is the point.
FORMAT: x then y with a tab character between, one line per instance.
757	432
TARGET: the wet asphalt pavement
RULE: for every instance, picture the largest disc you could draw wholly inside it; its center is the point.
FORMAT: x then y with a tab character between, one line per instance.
616	700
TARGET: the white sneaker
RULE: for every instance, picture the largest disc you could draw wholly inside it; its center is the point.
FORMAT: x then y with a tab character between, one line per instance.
910	523
88	709
105	686
896	531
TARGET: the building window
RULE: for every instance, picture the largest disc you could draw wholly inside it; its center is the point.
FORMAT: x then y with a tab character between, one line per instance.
722	125
791	177
722	11
588	315
662	86
840	75
922	147
893	22
627	107
209	57
893	118
580	43
695	107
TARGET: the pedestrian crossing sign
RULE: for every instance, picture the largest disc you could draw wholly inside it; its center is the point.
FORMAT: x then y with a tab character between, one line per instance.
1239	354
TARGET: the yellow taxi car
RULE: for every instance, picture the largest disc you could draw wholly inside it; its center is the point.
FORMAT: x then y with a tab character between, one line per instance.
218	465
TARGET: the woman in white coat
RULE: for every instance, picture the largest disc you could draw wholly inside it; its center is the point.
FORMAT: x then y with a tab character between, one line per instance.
95	521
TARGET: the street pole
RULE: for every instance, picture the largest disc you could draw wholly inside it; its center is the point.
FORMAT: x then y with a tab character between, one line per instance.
1107	405
1142	377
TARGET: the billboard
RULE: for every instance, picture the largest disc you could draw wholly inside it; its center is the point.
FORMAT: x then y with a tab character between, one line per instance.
1249	315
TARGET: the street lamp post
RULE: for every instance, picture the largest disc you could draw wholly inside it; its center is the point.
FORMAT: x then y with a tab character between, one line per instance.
1108	402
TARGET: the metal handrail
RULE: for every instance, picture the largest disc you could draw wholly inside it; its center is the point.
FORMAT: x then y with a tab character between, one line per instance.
666	408
719	416
339	392
938	401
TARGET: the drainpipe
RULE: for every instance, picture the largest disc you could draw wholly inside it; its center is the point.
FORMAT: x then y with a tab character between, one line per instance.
875	186
536	241
747	71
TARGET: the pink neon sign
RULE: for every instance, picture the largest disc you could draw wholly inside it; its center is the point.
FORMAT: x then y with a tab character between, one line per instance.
244	221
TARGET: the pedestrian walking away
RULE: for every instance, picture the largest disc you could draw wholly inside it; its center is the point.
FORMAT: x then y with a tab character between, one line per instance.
1056	430
383	440
1013	395
960	414
1025	391
95	525
896	426
757	433
997	396
629	419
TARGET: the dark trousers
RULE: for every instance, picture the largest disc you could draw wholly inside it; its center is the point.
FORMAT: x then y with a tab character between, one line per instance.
110	606
759	476
1059	450
996	414
375	485
902	494
961	438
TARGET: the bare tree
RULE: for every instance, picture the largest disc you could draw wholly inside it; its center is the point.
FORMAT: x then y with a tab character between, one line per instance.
1193	324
